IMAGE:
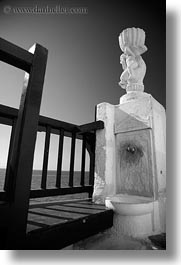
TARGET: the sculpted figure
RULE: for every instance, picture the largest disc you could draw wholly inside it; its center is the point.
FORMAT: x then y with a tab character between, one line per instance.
131	42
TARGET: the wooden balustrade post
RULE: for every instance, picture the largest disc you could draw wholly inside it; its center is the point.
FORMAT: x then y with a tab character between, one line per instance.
90	145
21	156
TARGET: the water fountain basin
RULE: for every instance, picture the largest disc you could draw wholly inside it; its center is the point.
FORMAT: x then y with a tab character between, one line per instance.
130	205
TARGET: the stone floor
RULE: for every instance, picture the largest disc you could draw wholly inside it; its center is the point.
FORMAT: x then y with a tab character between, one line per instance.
110	241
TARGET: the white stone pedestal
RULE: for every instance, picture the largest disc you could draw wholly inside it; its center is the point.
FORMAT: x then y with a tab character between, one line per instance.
130	153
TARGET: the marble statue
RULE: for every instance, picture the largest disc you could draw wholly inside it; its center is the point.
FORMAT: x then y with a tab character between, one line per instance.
130	153
131	42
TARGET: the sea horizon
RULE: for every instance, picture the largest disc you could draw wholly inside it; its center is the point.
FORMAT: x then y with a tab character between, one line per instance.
51	181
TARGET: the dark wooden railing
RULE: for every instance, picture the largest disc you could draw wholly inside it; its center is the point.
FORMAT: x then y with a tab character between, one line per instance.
26	122
14	209
85	133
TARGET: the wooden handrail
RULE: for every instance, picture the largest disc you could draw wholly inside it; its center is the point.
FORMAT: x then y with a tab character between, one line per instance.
39	193
15	56
98	125
25	123
8	114
85	132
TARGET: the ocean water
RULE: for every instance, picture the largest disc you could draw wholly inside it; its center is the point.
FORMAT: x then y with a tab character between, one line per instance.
51	180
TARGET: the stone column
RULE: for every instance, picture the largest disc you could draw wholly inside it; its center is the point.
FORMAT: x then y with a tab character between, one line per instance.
131	149
105	163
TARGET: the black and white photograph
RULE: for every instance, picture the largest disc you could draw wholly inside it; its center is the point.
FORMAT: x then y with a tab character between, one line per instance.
83	126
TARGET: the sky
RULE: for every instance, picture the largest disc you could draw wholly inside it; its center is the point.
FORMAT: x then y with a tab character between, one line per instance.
83	66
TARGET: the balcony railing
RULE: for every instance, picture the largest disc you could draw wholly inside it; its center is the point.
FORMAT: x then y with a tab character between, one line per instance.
26	122
85	133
